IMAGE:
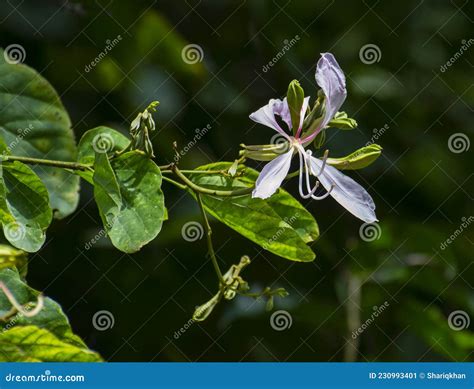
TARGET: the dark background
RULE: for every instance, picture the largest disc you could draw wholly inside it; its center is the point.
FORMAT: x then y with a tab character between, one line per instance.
421	188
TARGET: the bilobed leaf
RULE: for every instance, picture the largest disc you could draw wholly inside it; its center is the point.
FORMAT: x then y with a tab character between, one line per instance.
359	159
24	206
34	123
142	210
106	189
100	139
34	344
279	224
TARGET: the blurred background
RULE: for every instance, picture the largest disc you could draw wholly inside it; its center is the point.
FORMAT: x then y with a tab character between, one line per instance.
407	287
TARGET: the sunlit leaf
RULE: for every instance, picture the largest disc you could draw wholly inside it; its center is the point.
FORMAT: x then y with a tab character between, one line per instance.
33	344
280	224
10	257
50	317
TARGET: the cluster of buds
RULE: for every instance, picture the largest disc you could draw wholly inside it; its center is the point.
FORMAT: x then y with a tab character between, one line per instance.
141	128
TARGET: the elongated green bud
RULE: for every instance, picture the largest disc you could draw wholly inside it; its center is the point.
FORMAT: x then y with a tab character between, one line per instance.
295	97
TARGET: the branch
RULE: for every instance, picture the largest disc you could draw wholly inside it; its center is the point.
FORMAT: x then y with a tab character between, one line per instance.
47	162
210	247
213	192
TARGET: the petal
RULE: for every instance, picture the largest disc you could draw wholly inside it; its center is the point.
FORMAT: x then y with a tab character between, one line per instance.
266	116
281	108
272	175
346	191
332	81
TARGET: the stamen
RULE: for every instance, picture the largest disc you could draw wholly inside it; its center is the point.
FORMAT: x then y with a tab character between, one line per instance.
306	172
18	306
325	157
322	197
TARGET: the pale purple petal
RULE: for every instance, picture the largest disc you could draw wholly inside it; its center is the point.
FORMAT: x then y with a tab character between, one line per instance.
332	81
281	108
272	175
266	116
346	191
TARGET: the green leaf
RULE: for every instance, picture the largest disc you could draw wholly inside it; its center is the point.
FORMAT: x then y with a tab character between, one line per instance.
25	213
142	210
50	317
289	209
295	98
359	159
343	122
34	123
279	224
106	189
33	344
100	139
10	257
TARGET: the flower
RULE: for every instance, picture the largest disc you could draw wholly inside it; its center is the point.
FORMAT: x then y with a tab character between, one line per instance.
343	189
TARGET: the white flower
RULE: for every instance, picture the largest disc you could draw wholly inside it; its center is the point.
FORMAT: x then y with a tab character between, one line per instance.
343	189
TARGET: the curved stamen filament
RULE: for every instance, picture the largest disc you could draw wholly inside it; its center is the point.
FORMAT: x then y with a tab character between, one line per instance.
305	171
325	157
324	195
